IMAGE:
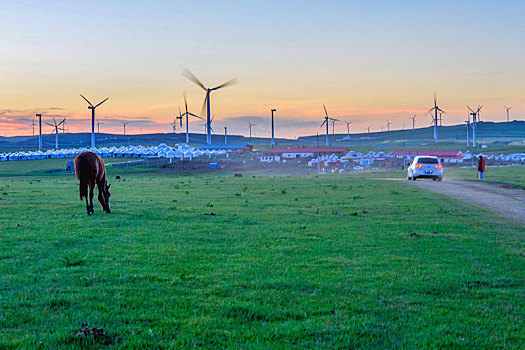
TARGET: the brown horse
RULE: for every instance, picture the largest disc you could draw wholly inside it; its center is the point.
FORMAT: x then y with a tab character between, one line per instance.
90	170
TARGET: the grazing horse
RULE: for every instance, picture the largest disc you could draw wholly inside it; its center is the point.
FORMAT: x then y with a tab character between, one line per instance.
90	170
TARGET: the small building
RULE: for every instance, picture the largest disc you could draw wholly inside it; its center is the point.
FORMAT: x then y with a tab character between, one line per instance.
450	157
307	152
270	158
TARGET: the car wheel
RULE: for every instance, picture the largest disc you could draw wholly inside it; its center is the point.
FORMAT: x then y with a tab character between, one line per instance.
440	178
414	178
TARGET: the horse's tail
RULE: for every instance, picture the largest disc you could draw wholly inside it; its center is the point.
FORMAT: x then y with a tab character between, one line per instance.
81	172
83	189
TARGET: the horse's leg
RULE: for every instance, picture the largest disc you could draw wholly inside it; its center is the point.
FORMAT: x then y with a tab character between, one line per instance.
101	196
91	189
87	205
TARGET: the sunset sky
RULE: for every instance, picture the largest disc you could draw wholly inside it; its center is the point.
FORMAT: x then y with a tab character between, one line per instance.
367	61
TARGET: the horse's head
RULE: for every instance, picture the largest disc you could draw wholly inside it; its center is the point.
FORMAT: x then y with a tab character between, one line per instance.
106	197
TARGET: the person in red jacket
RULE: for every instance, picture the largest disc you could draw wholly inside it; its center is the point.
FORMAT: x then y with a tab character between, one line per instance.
481	167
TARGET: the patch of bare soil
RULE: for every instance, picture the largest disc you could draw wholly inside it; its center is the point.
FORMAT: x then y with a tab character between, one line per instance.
504	200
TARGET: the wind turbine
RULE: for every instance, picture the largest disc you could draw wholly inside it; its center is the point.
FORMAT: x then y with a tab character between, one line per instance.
93	118
508	108
326	119
369	128
39	130
124	125
348	129
435	119
273	135
179	118
205	124
225	135
414	122
64	127
33	125
440	119
56	126
474	123
388	125
250	126
194	79
187	114
98	126
333	125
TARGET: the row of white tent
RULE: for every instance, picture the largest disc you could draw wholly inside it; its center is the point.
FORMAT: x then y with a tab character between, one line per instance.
179	151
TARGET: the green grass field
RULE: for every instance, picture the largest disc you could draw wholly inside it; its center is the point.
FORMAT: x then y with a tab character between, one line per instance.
510	175
335	261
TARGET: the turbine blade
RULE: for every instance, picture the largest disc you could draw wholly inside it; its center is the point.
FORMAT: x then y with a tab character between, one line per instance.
190	76
196	116
204	103
86	100
326	113
228	83
185	101
107	98
323	123
470	109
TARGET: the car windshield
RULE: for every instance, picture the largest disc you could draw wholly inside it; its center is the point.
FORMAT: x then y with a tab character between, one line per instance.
427	161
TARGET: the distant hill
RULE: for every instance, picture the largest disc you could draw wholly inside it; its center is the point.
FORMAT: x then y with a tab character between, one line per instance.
503	133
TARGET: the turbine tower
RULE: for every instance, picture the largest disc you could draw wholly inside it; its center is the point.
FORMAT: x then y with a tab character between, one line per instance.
189	75
187	114
225	135
39	130
273	135
435	118
348	129
414	122
250	126
124	125
93	118
369	128
56	125
508	108
474	123
326	120
388	125
98	126
468	129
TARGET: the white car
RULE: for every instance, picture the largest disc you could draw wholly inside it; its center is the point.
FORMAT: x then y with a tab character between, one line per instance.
425	167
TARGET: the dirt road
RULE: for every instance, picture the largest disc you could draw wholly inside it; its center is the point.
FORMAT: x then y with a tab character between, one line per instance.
502	199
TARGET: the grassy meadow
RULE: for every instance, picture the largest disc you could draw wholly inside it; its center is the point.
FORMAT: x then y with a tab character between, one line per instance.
209	260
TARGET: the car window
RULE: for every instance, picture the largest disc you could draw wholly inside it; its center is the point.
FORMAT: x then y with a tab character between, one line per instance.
428	161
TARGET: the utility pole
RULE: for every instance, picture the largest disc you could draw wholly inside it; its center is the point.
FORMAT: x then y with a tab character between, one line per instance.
225	135
273	135
318	157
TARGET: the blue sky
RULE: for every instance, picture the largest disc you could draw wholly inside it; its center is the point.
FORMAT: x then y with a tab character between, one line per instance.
367	61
